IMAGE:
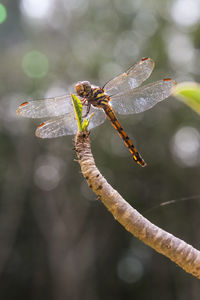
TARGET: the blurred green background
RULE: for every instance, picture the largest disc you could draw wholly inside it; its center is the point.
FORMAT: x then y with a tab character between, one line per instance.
57	241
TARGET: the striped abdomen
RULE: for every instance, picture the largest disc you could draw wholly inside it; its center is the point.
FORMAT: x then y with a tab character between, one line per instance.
112	117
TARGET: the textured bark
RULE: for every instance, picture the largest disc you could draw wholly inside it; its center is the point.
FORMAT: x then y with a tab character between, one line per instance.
163	242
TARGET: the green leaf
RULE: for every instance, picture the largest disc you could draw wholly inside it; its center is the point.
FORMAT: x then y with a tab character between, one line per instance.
86	122
78	110
85	125
189	93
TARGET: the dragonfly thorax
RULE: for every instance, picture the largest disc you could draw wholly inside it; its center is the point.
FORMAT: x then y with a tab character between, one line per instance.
93	94
83	88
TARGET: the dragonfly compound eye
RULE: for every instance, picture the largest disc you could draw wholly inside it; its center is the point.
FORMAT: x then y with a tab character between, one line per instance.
79	89
83	88
87	87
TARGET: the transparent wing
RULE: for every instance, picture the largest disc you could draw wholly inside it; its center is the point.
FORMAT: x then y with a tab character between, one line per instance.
50	107
67	124
131	78
59	126
142	98
98	118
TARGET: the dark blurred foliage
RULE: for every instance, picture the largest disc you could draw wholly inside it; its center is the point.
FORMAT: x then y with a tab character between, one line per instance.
57	241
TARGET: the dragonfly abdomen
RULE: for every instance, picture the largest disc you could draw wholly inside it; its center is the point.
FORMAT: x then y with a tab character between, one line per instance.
112	117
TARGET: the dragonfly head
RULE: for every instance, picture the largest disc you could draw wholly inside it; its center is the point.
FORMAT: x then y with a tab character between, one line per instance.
83	88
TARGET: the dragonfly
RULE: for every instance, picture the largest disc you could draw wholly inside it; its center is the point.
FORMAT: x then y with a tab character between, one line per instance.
121	94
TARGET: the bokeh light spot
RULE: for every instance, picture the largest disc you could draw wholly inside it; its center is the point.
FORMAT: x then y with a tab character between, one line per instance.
185	146
186	12
180	50
35	64
3	13
37	9
48	172
145	24
130	269
47	177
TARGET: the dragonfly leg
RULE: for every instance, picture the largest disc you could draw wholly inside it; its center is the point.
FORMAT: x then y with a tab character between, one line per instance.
83	101
88	110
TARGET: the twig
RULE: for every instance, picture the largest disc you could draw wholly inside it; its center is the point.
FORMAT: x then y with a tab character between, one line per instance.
163	242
